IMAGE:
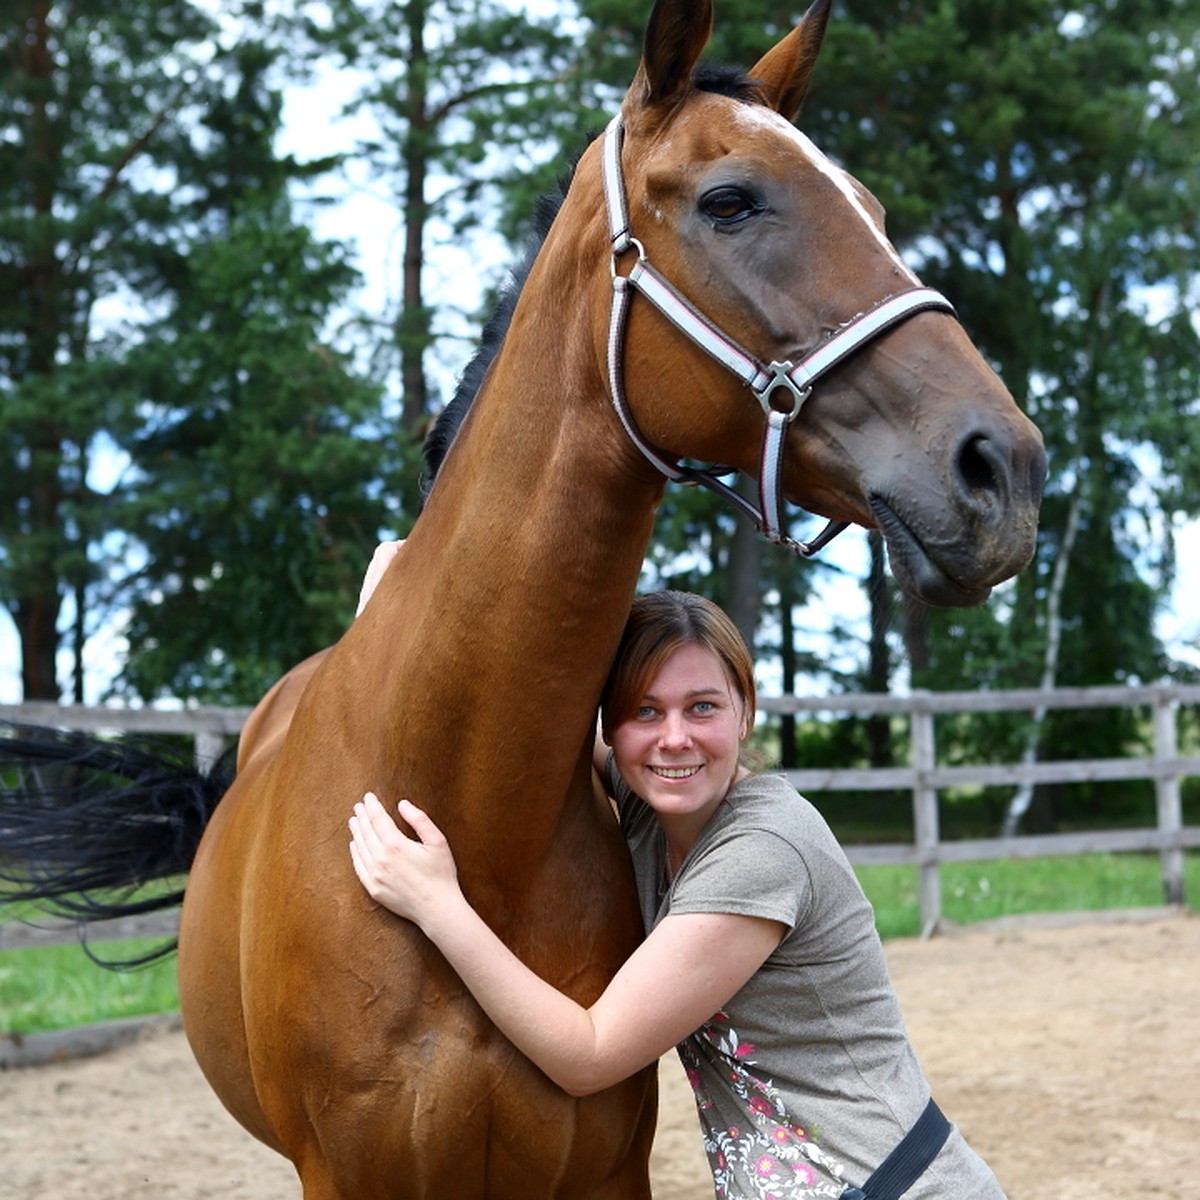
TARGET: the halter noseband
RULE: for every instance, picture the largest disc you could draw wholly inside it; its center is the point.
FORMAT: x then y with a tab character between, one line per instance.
786	382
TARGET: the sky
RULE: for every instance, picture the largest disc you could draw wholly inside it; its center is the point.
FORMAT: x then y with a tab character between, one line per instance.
366	217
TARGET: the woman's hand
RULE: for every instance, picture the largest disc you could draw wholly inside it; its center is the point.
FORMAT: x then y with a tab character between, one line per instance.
412	877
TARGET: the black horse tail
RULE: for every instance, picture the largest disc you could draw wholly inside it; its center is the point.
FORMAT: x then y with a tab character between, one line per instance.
86	823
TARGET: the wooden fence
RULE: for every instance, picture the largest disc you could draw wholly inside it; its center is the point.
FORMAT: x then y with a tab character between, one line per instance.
925	778
212	729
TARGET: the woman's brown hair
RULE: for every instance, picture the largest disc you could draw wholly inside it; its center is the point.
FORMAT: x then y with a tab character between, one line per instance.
659	623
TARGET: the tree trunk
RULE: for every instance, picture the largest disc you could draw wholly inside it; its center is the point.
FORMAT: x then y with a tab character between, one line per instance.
412	332
916	637
42	283
1018	806
745	571
879	664
787	663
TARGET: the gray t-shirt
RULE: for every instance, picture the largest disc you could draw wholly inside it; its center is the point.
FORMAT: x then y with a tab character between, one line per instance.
806	1081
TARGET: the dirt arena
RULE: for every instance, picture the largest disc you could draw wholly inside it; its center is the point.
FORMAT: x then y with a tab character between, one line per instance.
1069	1054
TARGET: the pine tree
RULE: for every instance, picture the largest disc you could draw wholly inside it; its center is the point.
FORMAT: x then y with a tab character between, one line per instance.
260	476
86	93
158	306
1039	163
467	97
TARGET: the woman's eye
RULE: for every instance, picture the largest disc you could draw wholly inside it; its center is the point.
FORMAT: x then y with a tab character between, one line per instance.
644	713
726	205
704	707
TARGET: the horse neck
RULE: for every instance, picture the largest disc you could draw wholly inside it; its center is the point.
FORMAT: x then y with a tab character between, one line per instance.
515	585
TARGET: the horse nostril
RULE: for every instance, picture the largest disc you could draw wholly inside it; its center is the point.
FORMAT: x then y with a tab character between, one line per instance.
979	466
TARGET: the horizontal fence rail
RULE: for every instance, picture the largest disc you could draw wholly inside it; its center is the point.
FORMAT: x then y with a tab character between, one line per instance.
925	779
213	728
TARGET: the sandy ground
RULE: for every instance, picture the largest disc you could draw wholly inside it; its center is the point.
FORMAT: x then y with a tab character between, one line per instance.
1070	1056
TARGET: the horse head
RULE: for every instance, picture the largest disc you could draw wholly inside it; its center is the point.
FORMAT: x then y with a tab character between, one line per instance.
776	249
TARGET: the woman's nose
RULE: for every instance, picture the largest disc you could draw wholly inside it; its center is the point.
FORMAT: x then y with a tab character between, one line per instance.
674	731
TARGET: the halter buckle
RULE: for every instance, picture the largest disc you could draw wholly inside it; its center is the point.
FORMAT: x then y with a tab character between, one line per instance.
781	379
622	244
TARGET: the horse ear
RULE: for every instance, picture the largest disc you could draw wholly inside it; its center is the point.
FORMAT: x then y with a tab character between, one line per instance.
784	71
675	35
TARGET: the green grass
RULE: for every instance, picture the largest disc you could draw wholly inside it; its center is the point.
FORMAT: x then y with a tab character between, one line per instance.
982	891
60	987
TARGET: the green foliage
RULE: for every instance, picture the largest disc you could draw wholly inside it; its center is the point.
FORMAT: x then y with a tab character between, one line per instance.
1040	162
84	94
253	488
162	301
468	102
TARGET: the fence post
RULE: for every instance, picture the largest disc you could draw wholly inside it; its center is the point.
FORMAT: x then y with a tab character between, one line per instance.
1166	785
925	820
210	745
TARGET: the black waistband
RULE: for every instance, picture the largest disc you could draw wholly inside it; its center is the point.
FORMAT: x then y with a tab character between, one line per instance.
903	1167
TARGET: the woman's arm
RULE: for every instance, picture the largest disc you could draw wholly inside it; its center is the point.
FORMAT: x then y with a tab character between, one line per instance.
686	970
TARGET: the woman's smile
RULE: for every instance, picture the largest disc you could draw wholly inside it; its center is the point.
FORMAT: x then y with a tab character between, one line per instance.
679	749
675	772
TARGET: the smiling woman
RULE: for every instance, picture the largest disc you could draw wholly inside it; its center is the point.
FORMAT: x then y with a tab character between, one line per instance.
761	963
679	749
677	709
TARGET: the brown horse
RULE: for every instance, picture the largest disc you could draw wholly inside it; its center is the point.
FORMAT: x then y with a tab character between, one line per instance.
331	1029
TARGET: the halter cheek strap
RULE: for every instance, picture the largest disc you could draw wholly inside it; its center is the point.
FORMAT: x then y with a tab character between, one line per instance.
781	388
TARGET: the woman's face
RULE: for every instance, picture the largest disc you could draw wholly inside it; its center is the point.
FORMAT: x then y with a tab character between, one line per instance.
679	750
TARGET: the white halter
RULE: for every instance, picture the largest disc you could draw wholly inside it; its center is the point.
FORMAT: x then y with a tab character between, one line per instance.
792	382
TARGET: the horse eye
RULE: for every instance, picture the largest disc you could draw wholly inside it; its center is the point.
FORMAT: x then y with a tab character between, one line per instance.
728	204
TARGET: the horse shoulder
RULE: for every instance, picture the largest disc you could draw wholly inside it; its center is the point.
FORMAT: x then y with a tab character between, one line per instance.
270	718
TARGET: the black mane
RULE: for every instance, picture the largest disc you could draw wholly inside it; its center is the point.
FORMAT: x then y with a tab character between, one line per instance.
440	437
718	78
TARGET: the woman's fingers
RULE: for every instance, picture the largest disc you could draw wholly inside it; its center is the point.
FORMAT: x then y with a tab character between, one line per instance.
360	867
404	873
366	831
421	824
380	561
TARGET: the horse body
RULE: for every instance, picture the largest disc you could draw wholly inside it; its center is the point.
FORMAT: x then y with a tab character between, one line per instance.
331	1029
468	684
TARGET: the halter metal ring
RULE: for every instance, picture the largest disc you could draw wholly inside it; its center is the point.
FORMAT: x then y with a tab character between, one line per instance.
629	242
781	379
